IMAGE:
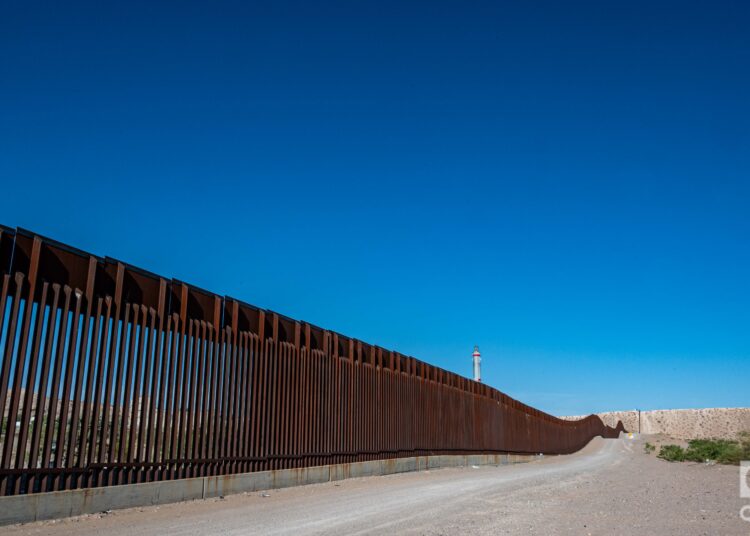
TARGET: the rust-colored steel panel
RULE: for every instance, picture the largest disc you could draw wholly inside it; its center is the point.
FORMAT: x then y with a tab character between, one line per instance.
111	375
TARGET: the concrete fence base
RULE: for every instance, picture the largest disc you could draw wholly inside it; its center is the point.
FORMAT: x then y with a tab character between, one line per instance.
59	504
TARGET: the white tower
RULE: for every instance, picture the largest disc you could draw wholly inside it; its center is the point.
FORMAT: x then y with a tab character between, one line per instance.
477	357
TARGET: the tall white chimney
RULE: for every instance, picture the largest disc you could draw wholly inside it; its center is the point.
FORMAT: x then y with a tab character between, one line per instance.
477	357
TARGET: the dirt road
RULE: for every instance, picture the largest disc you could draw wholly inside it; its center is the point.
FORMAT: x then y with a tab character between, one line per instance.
611	487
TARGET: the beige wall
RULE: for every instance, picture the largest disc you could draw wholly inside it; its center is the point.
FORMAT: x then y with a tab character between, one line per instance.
683	423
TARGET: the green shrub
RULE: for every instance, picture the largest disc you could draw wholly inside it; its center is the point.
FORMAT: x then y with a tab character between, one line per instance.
649	448
719	450
672	453
724	451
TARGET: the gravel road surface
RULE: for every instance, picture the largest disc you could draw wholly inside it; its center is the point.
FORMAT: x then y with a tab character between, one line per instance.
611	487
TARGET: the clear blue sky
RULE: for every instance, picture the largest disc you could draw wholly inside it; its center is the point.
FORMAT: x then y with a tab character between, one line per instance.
565	184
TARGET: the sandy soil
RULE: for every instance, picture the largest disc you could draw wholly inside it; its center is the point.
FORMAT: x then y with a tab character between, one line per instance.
611	487
682	423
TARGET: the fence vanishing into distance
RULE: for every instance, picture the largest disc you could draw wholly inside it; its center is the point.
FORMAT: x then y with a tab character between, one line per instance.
113	375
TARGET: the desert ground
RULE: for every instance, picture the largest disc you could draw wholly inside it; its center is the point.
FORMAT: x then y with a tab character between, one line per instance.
610	487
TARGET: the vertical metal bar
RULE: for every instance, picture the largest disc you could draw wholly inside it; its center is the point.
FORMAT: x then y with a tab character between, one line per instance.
196	421
269	394
218	406
207	430
165	406
212	399
7	355
181	433
87	437
281	373
214	396
52	419
20	356
232	438
288	397
41	389
255	398
204	384
145	435
157	378
124	359
171	406
243	371
306	407
340	403
200	405
139	392
273	433
262	417
63	457
257	393
113	329
180	394
21	450
135	337
297	395
6	363
3	302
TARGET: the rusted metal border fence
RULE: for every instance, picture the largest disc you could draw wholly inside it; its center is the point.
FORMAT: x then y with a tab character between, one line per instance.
113	375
